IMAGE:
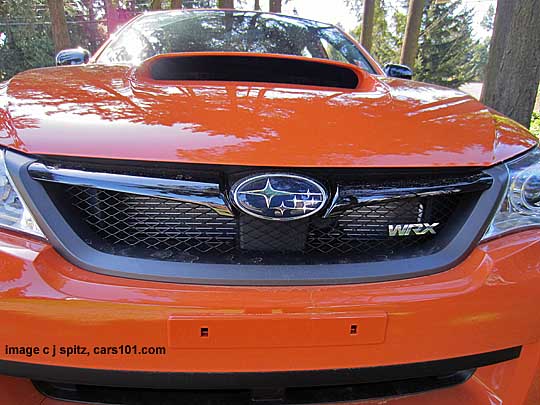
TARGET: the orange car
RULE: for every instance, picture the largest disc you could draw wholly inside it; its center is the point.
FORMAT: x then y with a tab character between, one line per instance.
228	207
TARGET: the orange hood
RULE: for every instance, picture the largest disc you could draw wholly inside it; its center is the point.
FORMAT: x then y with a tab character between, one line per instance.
106	112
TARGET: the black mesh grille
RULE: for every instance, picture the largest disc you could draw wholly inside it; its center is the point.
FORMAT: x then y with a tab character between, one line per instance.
163	229
149	227
363	230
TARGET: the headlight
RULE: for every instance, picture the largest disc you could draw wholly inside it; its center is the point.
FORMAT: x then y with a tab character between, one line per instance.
13	211
520	207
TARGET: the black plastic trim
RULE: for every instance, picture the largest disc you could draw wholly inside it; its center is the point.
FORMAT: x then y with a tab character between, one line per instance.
74	249
255	68
307	378
351	393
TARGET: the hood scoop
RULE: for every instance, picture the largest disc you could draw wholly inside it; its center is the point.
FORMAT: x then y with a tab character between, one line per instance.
257	68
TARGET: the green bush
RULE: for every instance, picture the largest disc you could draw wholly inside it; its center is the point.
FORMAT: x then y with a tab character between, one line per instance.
26	42
535	124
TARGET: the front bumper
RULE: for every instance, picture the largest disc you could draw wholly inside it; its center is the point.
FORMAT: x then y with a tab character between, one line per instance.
487	303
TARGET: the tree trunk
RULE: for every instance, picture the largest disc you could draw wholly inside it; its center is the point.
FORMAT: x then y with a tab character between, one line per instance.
59	27
513	71
501	28
275	6
92	29
412	32
176	4
155	5
110	15
367	24
257	5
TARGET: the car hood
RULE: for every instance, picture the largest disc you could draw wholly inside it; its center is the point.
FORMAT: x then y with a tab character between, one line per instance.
102	111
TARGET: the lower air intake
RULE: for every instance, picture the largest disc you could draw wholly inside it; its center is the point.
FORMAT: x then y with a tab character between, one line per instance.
283	396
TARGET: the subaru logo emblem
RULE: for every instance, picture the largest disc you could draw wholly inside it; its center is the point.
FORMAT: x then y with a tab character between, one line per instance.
279	197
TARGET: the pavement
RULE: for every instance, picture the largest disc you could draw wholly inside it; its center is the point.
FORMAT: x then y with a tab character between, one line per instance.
475	90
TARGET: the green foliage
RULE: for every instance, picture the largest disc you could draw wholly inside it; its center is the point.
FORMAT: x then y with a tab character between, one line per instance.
482	49
388	29
489	19
27	41
448	55
535	124
482	56
86	33
25	25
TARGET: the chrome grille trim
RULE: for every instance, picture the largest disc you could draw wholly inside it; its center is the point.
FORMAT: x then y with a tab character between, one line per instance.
372	194
210	195
207	194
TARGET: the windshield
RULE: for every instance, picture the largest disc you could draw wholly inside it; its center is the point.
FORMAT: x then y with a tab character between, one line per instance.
230	31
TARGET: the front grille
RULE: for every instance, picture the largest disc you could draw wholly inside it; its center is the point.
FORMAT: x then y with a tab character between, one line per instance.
152	220
128	224
132	225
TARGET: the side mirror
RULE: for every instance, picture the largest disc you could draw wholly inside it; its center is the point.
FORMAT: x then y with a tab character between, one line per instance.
399	71
75	56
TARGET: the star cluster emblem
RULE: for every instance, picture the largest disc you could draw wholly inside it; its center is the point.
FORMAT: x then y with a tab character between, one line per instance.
279	196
